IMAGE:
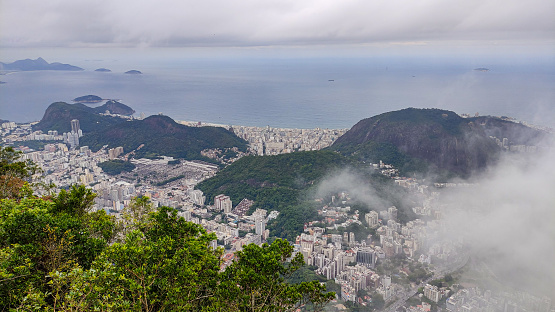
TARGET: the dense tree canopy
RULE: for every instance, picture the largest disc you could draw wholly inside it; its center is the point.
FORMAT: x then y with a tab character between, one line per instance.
57	255
13	172
116	166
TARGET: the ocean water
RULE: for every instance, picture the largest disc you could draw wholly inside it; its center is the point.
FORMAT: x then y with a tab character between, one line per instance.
292	92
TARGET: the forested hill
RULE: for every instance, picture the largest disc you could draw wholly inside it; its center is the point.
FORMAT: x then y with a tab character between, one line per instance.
418	140
114	107
271	180
58	117
88	99
288	183
160	135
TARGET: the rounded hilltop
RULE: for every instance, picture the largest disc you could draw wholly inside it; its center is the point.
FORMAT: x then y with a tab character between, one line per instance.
88	99
133	72
103	70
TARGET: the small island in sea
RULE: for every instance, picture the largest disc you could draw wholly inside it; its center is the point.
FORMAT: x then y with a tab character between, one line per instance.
133	72
482	69
103	70
88	99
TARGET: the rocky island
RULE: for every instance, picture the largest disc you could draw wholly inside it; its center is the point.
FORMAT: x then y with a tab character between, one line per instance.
88	99
133	72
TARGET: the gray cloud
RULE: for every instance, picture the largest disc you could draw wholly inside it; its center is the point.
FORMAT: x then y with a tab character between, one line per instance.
347	180
508	220
251	22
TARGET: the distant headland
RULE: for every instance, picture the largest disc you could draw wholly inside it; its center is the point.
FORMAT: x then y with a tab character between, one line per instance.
38	64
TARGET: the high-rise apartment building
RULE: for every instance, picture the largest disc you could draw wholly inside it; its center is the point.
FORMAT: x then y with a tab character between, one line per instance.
260	226
75	126
222	202
372	218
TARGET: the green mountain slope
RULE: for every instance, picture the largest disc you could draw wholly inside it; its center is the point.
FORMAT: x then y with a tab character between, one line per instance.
289	183
58	117
88	99
161	135
271	181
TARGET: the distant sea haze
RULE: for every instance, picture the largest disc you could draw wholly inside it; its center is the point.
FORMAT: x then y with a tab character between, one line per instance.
293	93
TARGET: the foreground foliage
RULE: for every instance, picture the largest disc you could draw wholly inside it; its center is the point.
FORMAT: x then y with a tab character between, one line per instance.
56	255
13	172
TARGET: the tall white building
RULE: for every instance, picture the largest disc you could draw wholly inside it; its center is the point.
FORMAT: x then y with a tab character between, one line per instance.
366	257
392	211
222	202
432	293
260	226
72	139
372	218
75	126
197	197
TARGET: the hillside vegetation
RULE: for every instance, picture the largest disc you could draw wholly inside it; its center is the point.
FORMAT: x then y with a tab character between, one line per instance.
58	117
271	180
88	99
162	136
287	182
116	166
152	137
58	256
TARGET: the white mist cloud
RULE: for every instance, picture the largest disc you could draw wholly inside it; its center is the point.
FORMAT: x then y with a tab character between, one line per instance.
508	219
347	180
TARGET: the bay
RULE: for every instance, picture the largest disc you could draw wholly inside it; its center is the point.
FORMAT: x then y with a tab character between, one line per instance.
332	92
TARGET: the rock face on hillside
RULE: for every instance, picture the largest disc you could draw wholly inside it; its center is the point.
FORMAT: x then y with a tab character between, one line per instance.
115	107
423	140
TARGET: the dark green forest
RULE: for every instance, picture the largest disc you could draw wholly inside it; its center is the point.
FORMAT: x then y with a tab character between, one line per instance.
161	136
116	166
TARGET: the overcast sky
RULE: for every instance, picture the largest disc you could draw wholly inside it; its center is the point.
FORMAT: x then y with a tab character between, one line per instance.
186	23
